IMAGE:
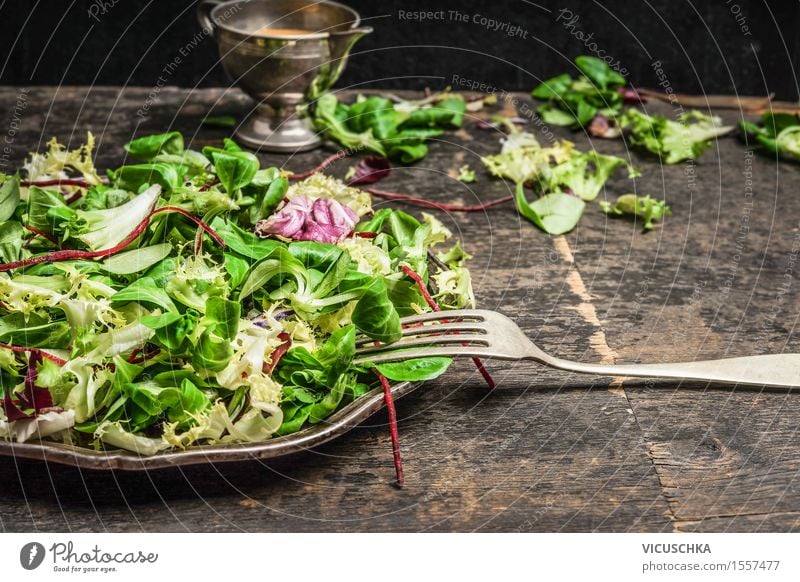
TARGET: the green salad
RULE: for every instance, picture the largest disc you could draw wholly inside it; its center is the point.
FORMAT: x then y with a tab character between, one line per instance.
193	297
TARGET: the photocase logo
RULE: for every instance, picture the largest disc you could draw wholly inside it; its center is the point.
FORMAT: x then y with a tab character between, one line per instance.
31	555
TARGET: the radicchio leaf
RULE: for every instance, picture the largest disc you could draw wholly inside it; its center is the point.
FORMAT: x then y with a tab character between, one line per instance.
631	95
370	169
324	220
602	126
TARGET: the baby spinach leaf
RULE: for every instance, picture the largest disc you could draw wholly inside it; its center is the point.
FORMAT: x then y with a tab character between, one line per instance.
555	213
11	235
9	196
146	291
554	88
335	127
147	147
599	72
137	260
407	153
235	169
337	353
321	410
376	114
212	352
243	242
378	125
171	328
40	204
415	370
447	112
375	315
403	227
135	176
279	262
295	422
267	197
184	403
34	331
223	316
576	102
236	268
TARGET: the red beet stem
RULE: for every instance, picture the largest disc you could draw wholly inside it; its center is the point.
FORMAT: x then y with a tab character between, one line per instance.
42	353
198	242
389	400
72	254
208	185
211	232
45	183
435	306
74	198
136	358
44	235
325	163
278	353
439	205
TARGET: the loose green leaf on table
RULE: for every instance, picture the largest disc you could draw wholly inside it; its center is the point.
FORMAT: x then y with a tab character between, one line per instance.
777	134
394	131
647	208
576	101
673	141
555	213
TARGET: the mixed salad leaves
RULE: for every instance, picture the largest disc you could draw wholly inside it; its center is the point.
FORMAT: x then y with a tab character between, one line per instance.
563	178
673	141
577	102
595	101
193	297
646	208
777	134
393	130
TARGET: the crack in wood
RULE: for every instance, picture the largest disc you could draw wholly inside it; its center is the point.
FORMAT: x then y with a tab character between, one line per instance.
588	312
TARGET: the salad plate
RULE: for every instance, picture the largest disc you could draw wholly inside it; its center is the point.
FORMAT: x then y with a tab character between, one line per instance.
194	307
333	427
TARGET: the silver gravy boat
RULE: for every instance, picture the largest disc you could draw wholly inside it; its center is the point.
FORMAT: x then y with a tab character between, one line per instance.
283	54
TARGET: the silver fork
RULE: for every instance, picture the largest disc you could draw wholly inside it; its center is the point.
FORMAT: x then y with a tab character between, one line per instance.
488	334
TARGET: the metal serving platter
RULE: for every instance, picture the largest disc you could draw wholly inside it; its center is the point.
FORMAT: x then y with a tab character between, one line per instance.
334	426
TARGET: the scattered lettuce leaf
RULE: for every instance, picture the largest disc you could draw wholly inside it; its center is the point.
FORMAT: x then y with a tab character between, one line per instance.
647	208
555	213
673	141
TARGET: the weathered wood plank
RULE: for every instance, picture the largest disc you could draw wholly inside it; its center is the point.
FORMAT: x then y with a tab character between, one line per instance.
544	452
718	280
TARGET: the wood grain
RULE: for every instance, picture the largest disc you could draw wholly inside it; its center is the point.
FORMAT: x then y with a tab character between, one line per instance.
547	450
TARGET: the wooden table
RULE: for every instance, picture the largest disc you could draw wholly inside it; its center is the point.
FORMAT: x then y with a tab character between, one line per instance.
546	451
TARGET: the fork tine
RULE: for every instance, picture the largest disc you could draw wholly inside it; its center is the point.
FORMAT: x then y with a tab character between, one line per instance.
457	339
441	328
451	351
469	314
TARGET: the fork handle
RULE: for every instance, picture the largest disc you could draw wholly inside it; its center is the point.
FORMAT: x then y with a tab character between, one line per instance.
781	370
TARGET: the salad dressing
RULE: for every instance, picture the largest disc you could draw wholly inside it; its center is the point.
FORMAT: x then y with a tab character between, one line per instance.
270	31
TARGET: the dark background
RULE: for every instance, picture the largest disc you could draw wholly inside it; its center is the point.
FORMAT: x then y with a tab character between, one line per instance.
701	44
